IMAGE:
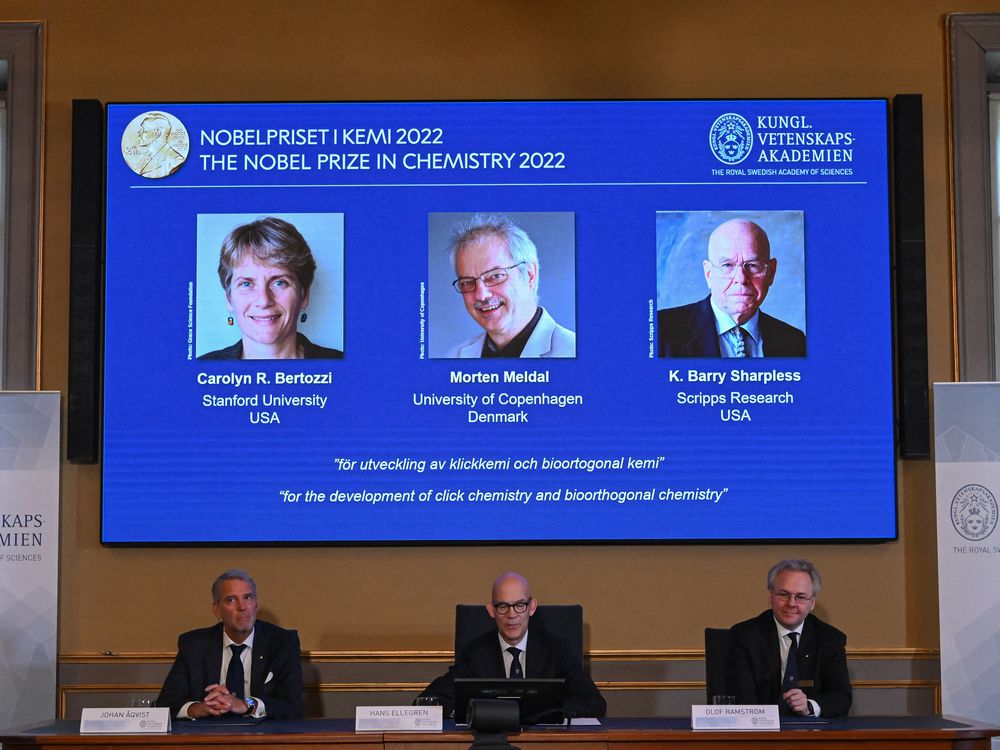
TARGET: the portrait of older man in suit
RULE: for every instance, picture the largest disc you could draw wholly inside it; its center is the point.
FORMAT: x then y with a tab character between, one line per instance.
739	270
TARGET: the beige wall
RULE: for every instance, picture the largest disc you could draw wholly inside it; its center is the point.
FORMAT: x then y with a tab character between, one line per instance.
636	597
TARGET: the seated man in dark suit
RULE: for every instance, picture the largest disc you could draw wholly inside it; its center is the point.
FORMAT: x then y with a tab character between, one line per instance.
240	667
739	270
509	651
788	656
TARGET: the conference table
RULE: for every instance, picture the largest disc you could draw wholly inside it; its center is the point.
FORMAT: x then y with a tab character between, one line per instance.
869	733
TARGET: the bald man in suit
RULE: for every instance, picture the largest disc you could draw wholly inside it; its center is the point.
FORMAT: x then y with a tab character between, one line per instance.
509	651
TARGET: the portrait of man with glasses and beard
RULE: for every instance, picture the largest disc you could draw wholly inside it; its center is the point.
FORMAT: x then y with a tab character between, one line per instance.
497	273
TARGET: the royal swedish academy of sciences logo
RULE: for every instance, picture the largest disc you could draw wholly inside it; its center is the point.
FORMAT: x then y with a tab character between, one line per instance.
730	138
974	512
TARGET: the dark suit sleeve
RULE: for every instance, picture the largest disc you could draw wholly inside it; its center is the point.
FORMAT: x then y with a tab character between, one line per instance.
688	330
479	658
443	689
753	667
780	338
833	683
740	672
582	696
282	694
182	684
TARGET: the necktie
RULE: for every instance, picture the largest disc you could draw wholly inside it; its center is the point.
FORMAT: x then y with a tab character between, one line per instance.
791	679
515	665
741	342
234	675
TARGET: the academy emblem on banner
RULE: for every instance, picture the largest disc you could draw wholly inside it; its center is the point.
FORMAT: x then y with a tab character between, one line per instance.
974	512
731	138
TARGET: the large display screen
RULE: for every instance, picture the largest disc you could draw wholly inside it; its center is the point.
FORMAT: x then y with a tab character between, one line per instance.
494	322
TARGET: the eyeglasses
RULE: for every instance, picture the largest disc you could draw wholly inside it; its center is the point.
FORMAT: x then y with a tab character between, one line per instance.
520	607
787	596
493	277
755	268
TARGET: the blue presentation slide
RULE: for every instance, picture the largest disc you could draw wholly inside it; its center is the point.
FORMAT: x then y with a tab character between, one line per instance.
496	322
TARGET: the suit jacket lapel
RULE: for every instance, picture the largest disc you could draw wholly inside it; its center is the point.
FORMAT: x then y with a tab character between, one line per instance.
539	343
537	655
474	349
807	650
213	657
497	667
258	660
769	632
704	336
769	333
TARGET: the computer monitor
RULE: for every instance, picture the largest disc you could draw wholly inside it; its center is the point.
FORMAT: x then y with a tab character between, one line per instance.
541	700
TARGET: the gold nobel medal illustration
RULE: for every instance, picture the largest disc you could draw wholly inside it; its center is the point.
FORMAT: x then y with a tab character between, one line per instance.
155	145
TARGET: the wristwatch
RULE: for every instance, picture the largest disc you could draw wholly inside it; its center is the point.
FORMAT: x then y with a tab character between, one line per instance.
251	705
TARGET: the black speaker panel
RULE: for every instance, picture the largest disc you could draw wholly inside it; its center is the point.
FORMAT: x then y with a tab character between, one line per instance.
86	290
912	374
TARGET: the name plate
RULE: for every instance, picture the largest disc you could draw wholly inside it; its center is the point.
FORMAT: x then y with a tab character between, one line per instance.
736	717
125	721
398	718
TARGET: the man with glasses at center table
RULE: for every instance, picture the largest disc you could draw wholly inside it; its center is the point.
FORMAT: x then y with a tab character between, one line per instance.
510	651
788	656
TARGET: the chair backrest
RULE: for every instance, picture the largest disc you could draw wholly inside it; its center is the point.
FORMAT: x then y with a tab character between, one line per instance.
717	644
562	620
